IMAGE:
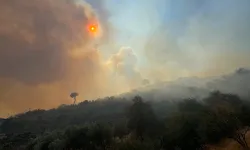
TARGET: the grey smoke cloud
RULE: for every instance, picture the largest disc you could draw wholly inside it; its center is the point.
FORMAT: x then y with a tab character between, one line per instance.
236	82
46	52
124	63
36	37
214	40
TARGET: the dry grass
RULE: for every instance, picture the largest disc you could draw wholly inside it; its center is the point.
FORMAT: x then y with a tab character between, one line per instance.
229	144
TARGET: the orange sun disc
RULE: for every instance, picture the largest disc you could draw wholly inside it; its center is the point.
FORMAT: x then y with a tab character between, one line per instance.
92	28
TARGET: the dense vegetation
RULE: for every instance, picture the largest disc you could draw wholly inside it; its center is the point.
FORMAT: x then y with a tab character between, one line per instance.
120	124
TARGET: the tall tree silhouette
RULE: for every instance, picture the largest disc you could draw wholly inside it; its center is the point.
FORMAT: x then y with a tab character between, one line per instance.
142	119
74	95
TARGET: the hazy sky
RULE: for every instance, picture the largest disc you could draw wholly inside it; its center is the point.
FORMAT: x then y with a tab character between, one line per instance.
193	35
46	51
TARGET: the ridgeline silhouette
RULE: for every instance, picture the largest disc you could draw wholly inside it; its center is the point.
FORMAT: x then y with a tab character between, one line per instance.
118	123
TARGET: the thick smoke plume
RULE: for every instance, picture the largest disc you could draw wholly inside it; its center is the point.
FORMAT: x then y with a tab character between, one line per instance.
38	36
123	64
210	37
46	52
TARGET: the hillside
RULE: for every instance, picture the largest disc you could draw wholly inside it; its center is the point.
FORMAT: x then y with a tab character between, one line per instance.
110	109
188	124
184	114
236	82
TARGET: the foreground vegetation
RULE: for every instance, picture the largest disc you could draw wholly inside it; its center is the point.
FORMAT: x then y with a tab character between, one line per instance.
120	124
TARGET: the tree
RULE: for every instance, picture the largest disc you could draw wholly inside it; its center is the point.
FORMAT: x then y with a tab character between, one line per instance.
141	119
74	95
191	106
101	135
228	117
133	144
181	131
227	101
76	137
221	124
120	129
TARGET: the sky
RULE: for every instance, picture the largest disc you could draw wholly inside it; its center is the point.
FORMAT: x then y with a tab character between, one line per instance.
47	52
207	30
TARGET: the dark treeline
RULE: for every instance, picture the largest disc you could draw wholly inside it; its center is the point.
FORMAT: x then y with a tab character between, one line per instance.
120	124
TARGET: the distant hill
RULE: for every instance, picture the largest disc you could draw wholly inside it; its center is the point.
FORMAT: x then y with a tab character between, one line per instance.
111	109
187	103
236	82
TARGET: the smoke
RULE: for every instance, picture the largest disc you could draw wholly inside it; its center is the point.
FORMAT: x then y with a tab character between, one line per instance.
124	64
178	38
46	52
207	38
37	36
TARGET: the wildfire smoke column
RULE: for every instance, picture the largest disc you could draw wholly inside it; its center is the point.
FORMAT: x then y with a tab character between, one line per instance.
46	52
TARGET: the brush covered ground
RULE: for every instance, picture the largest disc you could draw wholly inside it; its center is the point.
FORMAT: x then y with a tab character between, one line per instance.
229	144
121	124
159	118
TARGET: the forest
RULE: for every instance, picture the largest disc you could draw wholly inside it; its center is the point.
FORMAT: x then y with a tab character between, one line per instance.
116	123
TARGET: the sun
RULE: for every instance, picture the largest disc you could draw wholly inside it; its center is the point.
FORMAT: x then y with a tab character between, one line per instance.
93	28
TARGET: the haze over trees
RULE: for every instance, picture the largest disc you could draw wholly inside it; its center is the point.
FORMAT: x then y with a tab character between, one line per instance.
121	124
145	119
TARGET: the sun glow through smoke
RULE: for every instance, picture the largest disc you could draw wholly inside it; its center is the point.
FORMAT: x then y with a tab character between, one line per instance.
92	28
